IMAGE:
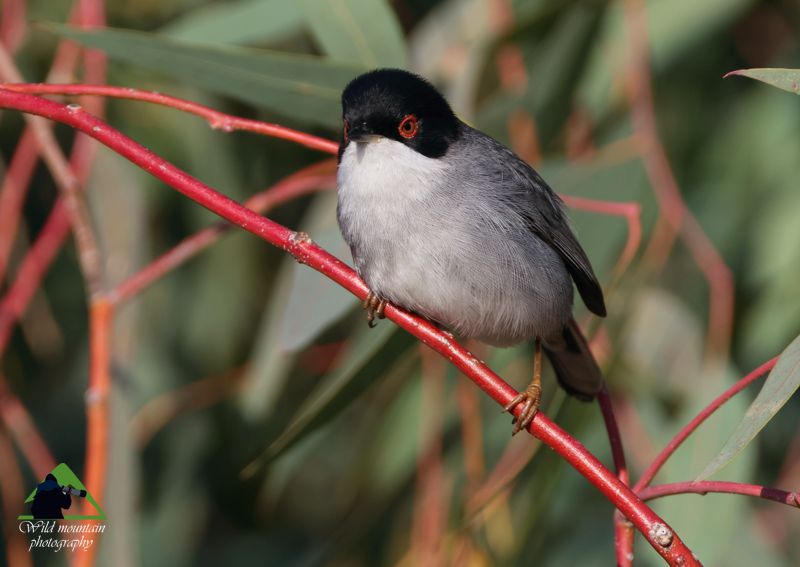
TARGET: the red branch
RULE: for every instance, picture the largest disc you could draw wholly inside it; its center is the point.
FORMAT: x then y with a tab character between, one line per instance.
684	433
216	119
653	528
704	487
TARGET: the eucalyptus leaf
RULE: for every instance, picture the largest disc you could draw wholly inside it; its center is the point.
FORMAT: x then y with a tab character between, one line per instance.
302	87
245	21
372	351
781	383
314	301
786	79
359	31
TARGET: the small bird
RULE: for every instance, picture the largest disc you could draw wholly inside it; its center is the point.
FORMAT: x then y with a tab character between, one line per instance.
444	221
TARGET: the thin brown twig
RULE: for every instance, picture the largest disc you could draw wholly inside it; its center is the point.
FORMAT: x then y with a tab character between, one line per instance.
471	435
674	216
154	416
21	167
18	422
11	497
431	500
68	185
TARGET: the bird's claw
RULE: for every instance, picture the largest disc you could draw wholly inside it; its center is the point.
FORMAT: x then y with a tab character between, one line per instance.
375	306
531	398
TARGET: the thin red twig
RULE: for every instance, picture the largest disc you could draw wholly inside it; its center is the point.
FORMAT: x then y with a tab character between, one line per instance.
705	487
216	119
300	183
47	244
23	161
68	186
630	211
12	193
623	530
689	428
654	529
13	24
32	270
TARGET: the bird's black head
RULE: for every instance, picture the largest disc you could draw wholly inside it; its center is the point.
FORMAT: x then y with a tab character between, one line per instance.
401	106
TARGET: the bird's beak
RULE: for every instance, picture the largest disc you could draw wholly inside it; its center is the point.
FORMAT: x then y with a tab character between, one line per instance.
362	134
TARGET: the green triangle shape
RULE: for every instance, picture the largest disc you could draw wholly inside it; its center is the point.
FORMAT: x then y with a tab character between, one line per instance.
65	476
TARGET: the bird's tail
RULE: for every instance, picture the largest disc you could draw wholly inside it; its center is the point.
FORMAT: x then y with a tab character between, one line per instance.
576	368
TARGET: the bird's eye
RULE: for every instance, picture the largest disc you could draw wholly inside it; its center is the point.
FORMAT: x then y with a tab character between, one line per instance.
346	129
408	127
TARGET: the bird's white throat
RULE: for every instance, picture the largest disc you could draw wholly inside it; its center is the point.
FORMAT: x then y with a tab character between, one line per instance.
388	170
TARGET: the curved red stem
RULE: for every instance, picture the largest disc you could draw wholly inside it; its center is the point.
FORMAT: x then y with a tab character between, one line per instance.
217	120
684	433
704	487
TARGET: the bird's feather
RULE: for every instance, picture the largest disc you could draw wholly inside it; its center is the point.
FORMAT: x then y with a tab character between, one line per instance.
546	218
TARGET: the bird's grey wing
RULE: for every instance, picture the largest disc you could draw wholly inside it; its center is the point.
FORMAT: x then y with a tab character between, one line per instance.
546	218
553	228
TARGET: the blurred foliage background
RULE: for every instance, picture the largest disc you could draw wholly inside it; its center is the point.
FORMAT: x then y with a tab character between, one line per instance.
242	352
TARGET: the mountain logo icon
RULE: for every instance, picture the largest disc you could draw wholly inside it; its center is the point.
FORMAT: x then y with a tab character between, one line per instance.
55	494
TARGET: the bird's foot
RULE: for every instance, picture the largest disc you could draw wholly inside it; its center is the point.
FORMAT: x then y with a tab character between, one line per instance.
374	306
530	399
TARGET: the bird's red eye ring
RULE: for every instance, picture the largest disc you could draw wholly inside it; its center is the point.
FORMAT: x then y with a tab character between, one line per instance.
345	130
408	127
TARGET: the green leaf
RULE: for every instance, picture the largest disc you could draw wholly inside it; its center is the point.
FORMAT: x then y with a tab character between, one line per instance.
786	79
360	31
303	87
781	383
270	365
372	351
237	22
314	301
